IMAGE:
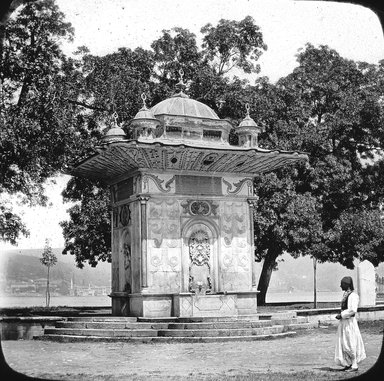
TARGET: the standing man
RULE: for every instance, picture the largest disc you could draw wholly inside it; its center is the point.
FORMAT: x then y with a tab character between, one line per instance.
349	345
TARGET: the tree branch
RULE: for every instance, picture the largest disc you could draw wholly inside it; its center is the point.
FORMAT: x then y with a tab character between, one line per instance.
83	104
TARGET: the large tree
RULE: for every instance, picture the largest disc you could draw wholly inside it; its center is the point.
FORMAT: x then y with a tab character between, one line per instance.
331	108
34	137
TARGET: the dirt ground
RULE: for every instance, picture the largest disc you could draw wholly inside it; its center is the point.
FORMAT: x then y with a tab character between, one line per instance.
307	356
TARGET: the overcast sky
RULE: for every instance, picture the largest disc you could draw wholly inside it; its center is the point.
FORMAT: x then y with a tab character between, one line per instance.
105	25
354	31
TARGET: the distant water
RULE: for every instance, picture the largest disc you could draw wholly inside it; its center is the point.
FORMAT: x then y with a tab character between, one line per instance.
68	301
105	301
304	296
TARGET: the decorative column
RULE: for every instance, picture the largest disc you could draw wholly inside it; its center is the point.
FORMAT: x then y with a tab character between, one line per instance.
252	202
143	236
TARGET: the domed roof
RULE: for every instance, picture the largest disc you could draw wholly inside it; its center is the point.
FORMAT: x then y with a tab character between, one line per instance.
115	132
144	113
247	122
181	105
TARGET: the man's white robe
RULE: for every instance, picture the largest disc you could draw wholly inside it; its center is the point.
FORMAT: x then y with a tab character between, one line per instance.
349	344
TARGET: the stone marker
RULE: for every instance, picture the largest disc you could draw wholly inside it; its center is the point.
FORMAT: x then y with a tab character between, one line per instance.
366	285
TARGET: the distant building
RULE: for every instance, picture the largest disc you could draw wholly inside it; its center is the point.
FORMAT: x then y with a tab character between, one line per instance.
89	290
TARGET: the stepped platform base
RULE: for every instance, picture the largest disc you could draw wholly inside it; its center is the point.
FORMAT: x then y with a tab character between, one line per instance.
231	303
171	329
97	339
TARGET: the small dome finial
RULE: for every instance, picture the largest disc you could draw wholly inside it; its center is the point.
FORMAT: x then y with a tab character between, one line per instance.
247	108
144	98
115	116
181	72
180	86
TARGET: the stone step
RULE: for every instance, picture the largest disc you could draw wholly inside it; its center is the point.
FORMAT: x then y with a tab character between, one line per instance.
101	332
128	319
220	332
221	324
278	315
142	325
160	339
298	326
286	315
166	332
110	325
295	320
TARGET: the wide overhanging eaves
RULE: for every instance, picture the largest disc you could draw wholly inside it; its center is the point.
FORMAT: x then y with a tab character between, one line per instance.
116	159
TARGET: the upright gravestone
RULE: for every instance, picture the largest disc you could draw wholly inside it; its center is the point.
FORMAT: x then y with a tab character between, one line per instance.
366	284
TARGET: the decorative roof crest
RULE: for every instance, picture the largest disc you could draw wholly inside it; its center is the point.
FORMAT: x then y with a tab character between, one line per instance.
247	108
144	98
181	86
115	116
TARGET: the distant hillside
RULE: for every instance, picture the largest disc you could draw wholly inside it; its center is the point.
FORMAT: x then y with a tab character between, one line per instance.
24	265
37	253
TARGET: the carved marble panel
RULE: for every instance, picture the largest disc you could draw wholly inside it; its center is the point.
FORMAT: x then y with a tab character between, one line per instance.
115	261
164	246
125	261
186	308
165	281
198	185
164	223
235	221
214	305
236	281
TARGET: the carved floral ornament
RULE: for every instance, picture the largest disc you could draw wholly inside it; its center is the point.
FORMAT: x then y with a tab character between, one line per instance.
199	207
158	182
238	186
199	248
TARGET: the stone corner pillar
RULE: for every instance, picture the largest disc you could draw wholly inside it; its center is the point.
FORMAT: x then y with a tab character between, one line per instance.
143	242
252	203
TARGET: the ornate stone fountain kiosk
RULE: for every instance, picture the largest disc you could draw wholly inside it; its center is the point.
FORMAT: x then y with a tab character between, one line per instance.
182	201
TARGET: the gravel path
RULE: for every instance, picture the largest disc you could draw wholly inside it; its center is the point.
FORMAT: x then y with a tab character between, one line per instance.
308	355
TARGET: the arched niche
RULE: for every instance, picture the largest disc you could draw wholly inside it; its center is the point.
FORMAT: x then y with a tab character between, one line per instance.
199	256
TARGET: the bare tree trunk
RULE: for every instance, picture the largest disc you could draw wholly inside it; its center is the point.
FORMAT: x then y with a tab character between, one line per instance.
266	273
314	284
47	294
